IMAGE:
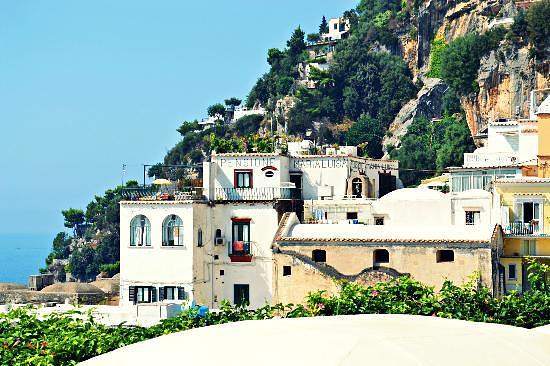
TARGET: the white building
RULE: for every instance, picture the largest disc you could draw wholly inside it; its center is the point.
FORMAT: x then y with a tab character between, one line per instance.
337	29
207	244
510	151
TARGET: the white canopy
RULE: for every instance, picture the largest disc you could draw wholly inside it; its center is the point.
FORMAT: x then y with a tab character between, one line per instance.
341	340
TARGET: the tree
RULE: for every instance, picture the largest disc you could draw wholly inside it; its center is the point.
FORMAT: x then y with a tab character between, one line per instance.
296	45
73	218
456	141
216	111
370	131
233	102
313	38
323	27
538	18
248	124
188	127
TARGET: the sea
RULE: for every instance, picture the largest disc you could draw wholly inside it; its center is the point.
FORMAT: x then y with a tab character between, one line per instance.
22	255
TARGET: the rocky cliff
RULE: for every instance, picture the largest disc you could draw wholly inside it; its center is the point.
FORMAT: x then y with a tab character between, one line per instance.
506	76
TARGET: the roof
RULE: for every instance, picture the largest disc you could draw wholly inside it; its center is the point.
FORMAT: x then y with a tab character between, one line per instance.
544	107
108	285
413	194
72	288
444	178
390	340
388	233
522	180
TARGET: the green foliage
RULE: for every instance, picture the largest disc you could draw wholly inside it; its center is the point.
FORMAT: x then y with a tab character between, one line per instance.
438	47
538	18
460	61
84	264
73	217
223	145
367	130
250	143
187	127
323	27
110	268
428	148
216	111
66	339
248	124
233	102
313	38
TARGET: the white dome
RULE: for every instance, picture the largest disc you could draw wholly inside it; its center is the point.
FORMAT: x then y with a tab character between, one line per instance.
341	340
413	194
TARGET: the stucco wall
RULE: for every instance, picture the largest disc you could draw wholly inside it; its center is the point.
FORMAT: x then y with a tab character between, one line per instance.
37	297
415	259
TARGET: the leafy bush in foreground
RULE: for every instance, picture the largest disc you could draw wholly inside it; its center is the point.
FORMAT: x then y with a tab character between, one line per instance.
66	339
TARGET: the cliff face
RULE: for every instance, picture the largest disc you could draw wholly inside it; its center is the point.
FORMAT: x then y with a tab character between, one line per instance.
506	76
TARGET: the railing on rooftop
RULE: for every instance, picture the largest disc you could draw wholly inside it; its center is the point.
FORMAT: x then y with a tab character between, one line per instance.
257	194
518	228
155	193
490	159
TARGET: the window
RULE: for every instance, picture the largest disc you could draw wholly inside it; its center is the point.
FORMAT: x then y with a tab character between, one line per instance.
351	215
243	178
529	247
319	256
473	217
172	231
143	295
199	237
222	272
381	256
445	256
357	187
170	293
287	270
378	221
241	295
335	26
241	237
140	231
512	272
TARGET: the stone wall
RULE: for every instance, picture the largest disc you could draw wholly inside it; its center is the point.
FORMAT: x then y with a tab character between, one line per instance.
37	297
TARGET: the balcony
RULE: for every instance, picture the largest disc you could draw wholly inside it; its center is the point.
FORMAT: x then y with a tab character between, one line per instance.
257	194
519	228
482	160
240	251
155	193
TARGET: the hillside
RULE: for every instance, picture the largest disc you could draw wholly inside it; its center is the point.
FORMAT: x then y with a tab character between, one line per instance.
412	80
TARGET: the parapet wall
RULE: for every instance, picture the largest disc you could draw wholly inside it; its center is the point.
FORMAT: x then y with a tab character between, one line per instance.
37	297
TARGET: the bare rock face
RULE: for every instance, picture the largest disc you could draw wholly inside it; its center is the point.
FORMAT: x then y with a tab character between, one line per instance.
506	78
428	104
282	108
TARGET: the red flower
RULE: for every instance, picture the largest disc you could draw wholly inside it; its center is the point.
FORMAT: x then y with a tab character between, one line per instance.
434	314
321	306
374	293
44	344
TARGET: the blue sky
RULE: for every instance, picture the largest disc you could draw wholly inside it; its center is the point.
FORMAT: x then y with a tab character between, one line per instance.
86	86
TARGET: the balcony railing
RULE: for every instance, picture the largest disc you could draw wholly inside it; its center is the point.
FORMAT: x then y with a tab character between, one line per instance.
155	193
489	159
240	251
257	194
519	228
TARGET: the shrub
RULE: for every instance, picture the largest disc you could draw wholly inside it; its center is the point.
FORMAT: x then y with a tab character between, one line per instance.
438	47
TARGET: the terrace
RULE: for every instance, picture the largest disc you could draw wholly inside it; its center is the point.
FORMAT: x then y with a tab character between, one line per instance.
257	194
162	193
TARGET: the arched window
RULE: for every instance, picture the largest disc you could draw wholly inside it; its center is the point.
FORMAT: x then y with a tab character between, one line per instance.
357	187
199	237
381	256
140	231
172	231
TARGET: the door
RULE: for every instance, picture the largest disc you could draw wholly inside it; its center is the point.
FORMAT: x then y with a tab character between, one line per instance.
387	184
241	294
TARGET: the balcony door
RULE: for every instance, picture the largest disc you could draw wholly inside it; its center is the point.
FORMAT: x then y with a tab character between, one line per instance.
529	213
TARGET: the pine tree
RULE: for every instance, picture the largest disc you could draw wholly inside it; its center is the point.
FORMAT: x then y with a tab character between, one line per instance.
323	28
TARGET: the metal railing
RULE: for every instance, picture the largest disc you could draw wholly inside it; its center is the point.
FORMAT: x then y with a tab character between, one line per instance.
523	228
257	194
155	193
490	159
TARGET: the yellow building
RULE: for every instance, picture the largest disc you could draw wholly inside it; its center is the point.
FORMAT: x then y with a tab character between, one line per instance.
543	117
525	213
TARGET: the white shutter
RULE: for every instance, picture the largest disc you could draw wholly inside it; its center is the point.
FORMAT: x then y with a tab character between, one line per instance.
505	215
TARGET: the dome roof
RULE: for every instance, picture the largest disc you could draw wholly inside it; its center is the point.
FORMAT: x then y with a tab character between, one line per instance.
6	286
108	285
72	288
413	194
343	340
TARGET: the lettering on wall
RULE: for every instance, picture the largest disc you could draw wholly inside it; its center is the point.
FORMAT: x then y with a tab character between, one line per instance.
343	162
246	162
